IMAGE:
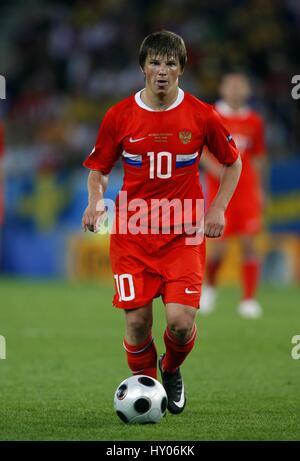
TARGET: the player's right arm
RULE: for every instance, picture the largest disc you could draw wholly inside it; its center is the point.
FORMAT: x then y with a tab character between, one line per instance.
97	184
100	162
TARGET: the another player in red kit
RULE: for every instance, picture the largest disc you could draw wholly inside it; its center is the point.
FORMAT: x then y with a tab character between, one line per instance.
159	133
244	213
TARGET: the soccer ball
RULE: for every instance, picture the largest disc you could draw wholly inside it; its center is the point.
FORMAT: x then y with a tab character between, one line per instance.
140	399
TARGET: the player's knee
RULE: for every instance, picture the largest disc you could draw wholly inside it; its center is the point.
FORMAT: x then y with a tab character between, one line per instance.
181	330
249	248
138	326
250	253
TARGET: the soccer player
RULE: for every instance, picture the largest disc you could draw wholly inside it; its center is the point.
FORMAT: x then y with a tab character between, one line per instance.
244	213
159	133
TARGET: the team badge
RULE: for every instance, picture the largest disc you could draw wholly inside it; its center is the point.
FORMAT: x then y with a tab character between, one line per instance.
185	136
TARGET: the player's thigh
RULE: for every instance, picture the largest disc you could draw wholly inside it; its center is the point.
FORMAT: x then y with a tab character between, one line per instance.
135	284
135	288
216	248
183	269
248	245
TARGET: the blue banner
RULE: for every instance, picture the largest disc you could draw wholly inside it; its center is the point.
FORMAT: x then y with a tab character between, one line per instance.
283	211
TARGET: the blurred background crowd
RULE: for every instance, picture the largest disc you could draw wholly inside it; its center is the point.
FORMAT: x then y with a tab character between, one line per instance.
65	62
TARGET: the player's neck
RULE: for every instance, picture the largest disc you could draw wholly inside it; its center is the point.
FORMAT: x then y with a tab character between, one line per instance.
235	106
156	102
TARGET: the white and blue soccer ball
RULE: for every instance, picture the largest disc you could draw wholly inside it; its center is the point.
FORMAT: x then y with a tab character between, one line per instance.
140	399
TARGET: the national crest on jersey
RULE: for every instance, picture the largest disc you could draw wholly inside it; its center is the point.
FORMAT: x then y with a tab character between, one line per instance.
185	136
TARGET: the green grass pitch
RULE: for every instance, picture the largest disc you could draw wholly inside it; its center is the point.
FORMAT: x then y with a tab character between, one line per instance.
64	360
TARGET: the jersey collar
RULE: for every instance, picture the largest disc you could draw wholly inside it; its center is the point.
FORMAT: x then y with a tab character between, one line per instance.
224	109
176	103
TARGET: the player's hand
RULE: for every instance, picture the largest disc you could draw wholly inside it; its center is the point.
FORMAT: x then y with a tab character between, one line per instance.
92	216
214	222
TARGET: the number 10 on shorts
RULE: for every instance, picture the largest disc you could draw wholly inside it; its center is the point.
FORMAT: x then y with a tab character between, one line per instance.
122	281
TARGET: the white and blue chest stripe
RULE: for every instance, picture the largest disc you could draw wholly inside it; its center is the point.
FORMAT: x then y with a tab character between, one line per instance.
132	159
182	160
185	159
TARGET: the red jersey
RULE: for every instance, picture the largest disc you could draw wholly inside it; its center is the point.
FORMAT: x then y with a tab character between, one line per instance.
160	150
247	130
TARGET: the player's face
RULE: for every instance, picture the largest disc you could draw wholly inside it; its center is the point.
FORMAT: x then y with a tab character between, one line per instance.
235	90
162	74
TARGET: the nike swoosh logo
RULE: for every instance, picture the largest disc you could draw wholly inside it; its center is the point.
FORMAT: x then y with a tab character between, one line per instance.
180	403
188	292
136	140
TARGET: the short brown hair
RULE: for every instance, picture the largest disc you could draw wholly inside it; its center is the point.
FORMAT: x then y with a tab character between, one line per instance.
163	43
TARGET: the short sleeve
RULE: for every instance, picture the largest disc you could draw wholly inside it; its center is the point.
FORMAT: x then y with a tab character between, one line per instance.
219	141
259	146
107	150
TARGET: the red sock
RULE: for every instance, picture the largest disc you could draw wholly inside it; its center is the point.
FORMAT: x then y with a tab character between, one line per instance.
142	358
212	268
175	352
250	278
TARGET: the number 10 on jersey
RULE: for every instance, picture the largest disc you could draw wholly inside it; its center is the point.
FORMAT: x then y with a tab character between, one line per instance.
156	165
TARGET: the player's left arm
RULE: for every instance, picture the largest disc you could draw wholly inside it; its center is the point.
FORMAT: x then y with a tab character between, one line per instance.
210	164
221	144
215	216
